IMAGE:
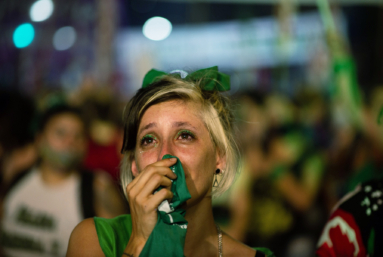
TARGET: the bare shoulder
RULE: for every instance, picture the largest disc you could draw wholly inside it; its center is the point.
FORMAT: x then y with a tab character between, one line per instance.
233	247
84	241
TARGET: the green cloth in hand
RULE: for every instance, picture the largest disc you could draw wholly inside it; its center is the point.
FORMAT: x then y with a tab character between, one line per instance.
168	236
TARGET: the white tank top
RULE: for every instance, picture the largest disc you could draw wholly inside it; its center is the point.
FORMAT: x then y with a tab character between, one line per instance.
38	218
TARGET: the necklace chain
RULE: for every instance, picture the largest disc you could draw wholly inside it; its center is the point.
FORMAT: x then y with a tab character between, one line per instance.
219	241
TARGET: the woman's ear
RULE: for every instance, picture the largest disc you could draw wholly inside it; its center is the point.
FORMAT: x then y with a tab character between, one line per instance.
220	160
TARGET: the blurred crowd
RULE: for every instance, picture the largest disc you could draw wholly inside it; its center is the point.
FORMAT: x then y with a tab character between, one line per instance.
300	155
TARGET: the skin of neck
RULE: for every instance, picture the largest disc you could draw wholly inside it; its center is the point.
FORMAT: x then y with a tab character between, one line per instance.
201	236
54	175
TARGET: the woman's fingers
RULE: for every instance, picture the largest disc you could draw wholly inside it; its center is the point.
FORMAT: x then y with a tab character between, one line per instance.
149	201
143	203
153	176
155	200
141	183
154	182
160	167
140	195
165	162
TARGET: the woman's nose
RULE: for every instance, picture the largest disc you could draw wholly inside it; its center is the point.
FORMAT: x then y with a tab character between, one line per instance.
165	148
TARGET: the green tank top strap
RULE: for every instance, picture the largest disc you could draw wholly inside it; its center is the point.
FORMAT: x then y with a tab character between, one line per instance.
113	234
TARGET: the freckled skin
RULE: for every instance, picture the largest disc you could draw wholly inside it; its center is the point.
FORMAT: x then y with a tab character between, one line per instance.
198	155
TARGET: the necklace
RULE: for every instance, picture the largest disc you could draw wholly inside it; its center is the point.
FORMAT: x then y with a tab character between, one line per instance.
219	241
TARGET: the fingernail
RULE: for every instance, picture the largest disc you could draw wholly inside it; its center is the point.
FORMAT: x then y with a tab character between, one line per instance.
173	159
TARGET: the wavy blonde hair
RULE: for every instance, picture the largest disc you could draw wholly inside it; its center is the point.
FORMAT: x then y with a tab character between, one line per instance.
215	112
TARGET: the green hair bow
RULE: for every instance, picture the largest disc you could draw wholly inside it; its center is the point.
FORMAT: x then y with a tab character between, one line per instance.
212	79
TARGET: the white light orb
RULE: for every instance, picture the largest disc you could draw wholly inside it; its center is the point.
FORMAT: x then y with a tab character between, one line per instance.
157	28
64	38
41	10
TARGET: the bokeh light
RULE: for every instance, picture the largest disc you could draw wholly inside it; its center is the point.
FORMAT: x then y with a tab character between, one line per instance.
157	28
41	10
23	35
64	38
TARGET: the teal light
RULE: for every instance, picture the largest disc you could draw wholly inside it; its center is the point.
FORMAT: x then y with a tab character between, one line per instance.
23	35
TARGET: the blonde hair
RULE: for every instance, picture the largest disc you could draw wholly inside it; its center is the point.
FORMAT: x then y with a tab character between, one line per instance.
215	113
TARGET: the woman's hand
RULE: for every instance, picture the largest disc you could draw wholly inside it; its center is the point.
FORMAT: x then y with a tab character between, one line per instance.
143	203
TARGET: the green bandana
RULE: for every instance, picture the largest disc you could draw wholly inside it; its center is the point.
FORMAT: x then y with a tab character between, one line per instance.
211	78
168	236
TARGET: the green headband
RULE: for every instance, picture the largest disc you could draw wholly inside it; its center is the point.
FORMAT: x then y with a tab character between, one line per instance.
212	79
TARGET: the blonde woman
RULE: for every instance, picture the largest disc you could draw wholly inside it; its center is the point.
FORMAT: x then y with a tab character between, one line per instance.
186	117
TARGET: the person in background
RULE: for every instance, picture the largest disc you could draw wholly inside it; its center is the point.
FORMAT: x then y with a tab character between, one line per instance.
355	227
45	203
356	151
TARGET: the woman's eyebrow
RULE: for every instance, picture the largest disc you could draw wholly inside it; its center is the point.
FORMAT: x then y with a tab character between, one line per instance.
182	124
148	126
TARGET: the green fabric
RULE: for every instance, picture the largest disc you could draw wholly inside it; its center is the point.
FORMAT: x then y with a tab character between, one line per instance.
278	172
152	76
370	243
367	172
346	65
114	234
168	236
266	251
211	78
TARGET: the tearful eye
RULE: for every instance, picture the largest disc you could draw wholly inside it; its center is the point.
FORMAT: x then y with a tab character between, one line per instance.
185	135
147	140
